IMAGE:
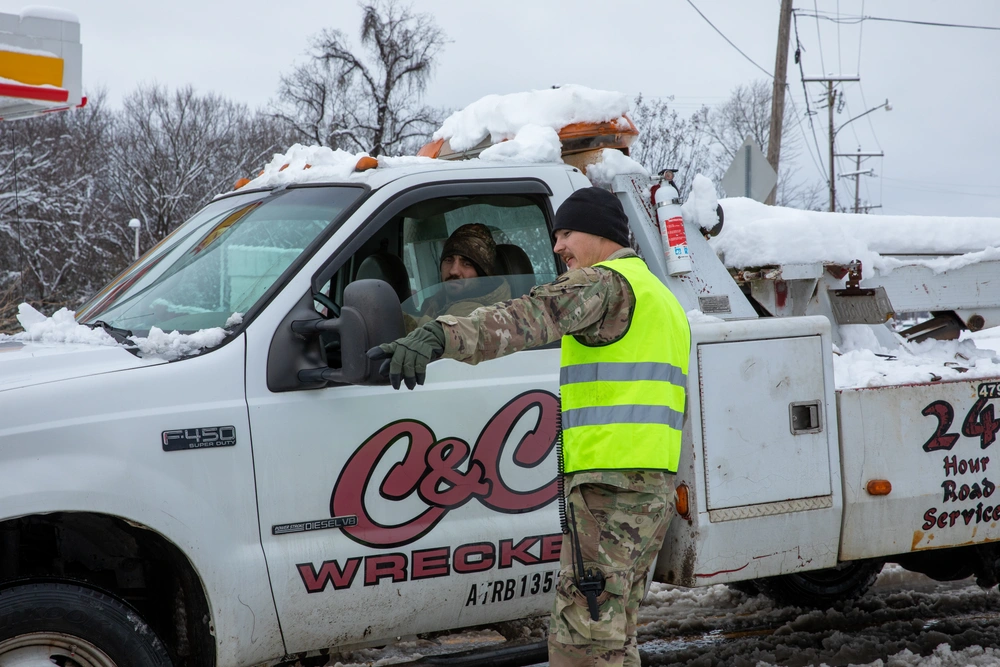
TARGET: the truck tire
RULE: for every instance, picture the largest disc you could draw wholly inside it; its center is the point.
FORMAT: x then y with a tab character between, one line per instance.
75	626
822	588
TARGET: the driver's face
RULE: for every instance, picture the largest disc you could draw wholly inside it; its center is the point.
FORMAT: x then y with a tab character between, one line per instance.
456	268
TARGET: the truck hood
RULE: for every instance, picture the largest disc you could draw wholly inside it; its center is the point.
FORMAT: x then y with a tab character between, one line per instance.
27	364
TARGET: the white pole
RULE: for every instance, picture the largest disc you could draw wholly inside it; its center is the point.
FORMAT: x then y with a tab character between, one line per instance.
135	224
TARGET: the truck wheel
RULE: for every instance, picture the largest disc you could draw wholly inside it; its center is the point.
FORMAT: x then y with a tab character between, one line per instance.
74	626
822	588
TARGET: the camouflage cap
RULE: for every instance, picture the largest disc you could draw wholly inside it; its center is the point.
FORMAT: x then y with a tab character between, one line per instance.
474	242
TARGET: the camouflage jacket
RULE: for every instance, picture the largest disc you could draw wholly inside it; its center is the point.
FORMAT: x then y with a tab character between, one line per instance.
592	303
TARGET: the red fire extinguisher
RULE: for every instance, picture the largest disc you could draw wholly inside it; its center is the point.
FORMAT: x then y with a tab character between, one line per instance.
667	201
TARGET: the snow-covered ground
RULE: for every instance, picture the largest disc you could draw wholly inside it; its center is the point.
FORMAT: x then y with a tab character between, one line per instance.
905	620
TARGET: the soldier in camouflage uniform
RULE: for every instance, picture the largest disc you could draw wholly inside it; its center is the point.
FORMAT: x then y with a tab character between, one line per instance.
468	265
621	514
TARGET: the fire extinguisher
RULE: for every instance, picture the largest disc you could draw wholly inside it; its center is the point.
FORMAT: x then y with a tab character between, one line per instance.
667	201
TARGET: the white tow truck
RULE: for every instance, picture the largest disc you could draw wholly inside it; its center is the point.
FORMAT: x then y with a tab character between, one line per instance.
267	496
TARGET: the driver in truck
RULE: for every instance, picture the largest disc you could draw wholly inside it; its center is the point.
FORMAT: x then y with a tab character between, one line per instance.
468	264
625	349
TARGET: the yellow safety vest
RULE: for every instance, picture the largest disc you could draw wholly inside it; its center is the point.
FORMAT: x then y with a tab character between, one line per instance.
623	403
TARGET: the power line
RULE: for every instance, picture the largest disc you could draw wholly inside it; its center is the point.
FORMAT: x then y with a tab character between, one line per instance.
861	34
690	2
860	19
798	121
805	92
819	42
840	62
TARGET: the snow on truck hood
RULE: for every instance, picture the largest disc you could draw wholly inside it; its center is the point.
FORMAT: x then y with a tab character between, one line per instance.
58	348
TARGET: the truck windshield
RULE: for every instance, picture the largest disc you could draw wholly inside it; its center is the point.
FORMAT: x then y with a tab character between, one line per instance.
220	262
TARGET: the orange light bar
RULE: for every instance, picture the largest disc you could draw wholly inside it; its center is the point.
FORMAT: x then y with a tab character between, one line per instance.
575	138
581	130
879	487
433	149
683	504
366	163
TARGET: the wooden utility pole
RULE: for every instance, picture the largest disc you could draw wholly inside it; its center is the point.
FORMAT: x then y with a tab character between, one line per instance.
778	93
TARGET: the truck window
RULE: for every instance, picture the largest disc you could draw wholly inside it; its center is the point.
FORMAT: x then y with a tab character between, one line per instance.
406	253
219	263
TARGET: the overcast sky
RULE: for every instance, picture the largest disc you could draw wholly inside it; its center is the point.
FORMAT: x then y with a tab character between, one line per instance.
941	139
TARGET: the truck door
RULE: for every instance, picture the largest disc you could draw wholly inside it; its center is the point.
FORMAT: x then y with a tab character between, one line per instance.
387	513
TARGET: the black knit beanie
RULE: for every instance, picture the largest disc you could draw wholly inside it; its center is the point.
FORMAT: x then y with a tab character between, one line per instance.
595	211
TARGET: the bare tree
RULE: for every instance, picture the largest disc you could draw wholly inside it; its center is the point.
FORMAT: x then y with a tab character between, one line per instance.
172	151
707	141
747	112
53	203
668	141
368	101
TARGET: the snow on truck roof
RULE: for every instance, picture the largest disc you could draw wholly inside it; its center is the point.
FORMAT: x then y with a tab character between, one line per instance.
572	124
320	164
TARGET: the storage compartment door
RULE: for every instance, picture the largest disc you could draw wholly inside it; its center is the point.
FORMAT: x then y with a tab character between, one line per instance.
765	423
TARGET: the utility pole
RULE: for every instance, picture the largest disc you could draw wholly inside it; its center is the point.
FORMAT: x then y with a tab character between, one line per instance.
858	173
831	98
778	92
857	184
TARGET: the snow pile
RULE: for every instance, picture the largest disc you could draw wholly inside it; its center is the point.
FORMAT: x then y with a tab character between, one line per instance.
175	345
862	362
700	207
613	163
759	235
312	164
501	117
62	327
532	143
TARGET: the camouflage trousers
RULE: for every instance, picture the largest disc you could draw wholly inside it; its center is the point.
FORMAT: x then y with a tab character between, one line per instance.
620	533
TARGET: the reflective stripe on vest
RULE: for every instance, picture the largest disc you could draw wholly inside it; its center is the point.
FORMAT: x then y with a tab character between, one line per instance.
623	403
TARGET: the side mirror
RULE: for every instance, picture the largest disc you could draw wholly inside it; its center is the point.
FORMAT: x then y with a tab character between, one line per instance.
371	315
371	309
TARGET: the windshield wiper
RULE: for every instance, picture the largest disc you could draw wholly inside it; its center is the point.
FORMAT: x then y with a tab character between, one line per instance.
120	335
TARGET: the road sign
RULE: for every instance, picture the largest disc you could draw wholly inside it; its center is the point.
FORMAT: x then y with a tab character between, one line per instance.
750	174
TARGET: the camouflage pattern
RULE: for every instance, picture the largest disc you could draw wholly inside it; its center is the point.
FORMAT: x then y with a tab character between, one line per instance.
474	242
621	531
463	305
592	303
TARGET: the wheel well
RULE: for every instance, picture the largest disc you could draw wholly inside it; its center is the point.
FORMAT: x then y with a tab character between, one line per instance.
133	563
